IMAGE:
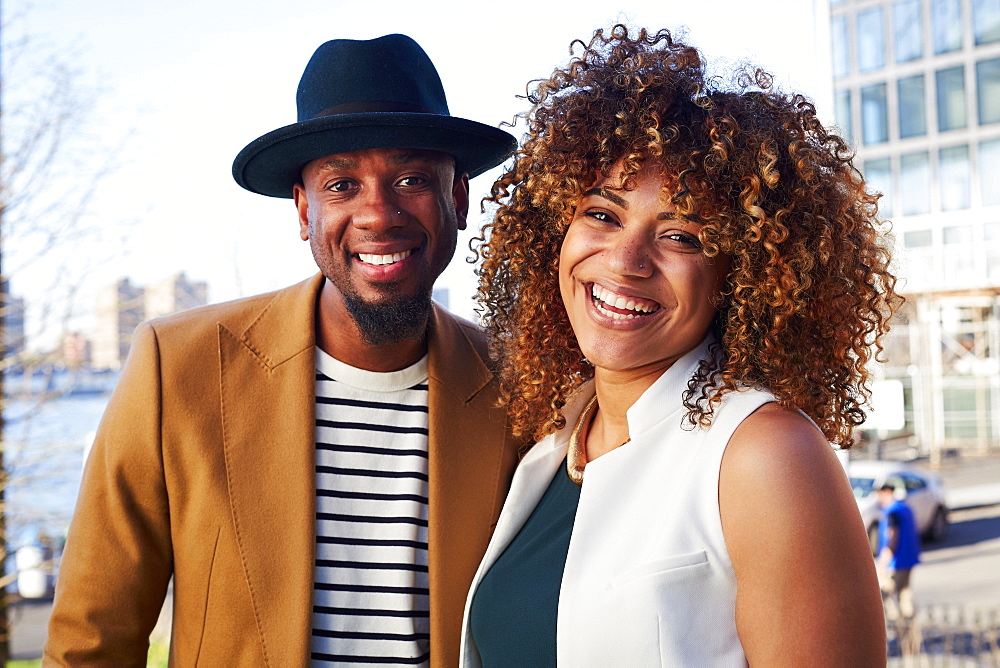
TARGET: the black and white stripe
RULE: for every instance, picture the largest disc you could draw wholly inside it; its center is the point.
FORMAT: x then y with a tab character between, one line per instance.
370	603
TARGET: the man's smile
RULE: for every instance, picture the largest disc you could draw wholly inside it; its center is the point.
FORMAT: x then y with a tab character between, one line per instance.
382	260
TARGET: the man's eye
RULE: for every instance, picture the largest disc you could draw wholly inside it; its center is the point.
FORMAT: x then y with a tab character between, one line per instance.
411	181
340	186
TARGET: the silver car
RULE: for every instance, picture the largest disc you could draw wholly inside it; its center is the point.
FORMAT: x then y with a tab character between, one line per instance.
921	489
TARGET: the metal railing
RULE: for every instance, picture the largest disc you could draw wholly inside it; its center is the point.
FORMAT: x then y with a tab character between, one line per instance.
945	636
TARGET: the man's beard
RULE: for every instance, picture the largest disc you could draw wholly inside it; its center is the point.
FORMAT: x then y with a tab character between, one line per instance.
390	322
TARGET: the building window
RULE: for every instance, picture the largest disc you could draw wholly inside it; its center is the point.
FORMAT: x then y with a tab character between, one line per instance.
946	25
986	21
989	171
878	174
870	40
954	177
951	98
874	115
842	109
841	46
915	183
918	239
958	234
912	110
907	31
991	233
988	90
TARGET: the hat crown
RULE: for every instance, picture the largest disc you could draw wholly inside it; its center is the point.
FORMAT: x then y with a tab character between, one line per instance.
386	74
356	95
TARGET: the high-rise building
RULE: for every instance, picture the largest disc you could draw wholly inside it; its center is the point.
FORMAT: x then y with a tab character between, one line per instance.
120	309
917	90
76	351
173	294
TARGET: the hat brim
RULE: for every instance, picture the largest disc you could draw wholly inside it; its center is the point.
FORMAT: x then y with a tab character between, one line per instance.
272	164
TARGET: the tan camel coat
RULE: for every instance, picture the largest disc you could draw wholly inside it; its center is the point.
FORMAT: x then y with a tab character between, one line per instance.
204	469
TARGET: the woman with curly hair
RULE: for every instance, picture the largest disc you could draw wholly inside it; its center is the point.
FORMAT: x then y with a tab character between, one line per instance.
723	288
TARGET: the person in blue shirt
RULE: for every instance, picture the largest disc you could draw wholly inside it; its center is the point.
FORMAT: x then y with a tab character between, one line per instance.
898	553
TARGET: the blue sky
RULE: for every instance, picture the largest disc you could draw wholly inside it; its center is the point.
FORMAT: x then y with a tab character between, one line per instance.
185	84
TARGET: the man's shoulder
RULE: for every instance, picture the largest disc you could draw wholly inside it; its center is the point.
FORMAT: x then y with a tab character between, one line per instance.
469	330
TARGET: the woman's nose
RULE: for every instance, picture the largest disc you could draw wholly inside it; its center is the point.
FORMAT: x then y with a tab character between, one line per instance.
630	256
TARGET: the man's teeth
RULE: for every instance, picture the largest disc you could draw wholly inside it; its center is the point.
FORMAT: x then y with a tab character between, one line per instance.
604	296
380	260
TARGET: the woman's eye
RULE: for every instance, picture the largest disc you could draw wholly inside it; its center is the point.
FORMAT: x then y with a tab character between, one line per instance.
601	216
682	238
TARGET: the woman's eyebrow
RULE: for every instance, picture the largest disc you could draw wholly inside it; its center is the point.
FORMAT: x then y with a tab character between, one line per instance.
608	195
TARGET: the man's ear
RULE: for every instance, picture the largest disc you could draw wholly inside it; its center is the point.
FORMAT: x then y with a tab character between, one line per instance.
460	191
302	205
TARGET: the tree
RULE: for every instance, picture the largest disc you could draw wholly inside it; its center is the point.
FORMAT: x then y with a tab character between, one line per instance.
50	167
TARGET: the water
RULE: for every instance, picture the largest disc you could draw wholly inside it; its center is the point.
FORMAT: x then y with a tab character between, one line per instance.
45	443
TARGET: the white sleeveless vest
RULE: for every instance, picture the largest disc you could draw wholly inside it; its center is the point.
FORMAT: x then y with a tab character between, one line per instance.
648	580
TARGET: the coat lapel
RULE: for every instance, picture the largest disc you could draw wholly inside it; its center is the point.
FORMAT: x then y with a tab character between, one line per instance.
471	459
268	417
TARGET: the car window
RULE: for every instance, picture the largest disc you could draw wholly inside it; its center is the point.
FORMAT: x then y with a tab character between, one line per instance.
913	483
862	487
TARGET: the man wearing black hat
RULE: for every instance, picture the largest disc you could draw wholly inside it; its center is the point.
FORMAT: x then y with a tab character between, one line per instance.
319	469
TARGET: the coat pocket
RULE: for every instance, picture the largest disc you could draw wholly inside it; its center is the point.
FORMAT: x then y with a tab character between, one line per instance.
682	564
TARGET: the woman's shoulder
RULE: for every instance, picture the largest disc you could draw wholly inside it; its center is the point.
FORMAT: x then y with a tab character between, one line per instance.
780	456
774	438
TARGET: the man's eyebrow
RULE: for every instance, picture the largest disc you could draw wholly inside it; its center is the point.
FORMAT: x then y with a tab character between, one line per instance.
340	163
608	195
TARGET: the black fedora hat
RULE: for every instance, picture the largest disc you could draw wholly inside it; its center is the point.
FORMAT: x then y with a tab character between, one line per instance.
361	94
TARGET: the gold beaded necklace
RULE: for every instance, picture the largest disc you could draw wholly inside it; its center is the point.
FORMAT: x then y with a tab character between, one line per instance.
576	457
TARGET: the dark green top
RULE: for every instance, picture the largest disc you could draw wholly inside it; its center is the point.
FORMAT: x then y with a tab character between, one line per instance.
513	615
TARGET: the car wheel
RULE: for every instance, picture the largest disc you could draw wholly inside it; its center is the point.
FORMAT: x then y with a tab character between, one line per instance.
938	530
873	538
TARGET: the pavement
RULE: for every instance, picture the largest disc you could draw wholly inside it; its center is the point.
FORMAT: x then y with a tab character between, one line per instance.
970	481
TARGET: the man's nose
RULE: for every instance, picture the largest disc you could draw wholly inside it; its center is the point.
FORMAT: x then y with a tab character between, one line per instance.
378	210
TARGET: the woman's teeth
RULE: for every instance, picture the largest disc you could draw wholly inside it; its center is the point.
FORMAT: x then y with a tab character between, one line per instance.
604	298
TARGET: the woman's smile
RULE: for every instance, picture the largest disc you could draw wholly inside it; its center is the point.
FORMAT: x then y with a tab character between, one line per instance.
621	307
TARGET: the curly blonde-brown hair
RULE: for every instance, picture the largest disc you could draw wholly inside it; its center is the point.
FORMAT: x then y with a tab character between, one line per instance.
809	293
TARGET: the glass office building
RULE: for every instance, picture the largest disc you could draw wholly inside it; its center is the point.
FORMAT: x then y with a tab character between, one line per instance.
917	91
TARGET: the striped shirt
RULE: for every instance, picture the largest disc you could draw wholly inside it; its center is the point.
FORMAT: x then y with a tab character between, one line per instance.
371	594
